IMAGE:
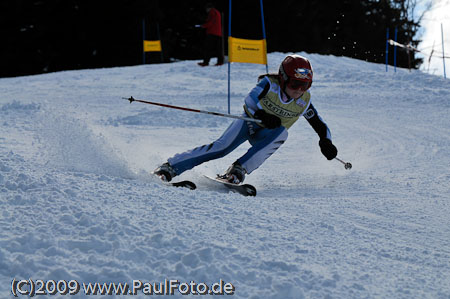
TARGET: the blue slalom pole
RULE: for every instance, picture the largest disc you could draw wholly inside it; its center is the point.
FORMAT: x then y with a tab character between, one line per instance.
395	51
143	39
159	38
229	63
264	32
387	48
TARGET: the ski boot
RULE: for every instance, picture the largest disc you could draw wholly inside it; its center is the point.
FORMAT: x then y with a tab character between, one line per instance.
235	174
165	172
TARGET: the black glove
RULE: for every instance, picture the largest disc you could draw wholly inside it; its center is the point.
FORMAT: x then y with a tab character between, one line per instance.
327	148
270	121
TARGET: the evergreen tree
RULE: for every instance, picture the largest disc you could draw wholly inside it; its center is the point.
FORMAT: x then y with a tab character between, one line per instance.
51	35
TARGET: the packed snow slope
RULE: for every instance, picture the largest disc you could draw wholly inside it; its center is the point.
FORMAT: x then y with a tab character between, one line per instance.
78	203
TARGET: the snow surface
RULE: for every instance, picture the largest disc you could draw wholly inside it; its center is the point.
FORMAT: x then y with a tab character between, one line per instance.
77	201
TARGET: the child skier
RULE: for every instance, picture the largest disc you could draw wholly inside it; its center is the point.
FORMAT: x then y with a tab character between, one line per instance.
278	100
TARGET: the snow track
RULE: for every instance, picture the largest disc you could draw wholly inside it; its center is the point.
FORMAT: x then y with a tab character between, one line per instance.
78	203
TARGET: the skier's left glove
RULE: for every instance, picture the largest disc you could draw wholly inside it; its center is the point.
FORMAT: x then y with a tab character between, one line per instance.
327	148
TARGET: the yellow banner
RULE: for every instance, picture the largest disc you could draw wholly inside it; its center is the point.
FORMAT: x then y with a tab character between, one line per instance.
247	50
152	46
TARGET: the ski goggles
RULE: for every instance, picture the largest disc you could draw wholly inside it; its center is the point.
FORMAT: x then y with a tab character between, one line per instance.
298	85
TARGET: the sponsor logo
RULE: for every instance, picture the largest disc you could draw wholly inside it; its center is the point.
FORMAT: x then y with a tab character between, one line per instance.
301	103
309	114
278	110
302	73
247	49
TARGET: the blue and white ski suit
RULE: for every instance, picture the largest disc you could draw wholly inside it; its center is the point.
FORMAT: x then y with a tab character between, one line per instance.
267	95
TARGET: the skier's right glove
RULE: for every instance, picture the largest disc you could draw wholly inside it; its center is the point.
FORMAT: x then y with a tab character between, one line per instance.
270	121
327	148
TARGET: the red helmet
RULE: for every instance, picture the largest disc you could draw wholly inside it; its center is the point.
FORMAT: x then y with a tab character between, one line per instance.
296	72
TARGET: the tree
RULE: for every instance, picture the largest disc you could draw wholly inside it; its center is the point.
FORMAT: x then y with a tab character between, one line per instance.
52	35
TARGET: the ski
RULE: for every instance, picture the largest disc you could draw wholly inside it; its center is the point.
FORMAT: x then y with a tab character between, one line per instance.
184	184
244	189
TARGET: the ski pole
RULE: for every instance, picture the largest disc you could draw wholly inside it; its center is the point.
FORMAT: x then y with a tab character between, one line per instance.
131	99
347	165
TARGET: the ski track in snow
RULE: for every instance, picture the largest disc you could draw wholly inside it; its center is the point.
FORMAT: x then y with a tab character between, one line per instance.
78	203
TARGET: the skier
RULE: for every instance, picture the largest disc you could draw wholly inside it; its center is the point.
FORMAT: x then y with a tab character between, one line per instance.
278	100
